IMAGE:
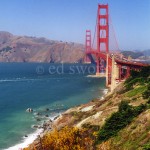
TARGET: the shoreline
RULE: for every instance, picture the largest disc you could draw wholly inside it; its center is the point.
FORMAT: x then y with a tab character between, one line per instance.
40	132
32	136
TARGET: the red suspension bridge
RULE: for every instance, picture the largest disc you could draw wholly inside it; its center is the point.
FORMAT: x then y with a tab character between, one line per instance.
114	64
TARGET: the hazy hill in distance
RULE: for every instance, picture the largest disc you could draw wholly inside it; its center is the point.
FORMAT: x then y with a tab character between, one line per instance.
31	49
138	54
146	52
134	55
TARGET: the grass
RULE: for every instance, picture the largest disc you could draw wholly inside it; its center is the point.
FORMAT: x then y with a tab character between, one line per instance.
126	139
136	91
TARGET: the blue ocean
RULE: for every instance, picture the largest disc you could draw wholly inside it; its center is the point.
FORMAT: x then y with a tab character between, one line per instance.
41	86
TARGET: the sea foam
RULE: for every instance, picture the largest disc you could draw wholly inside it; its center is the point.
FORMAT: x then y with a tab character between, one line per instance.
26	141
31	137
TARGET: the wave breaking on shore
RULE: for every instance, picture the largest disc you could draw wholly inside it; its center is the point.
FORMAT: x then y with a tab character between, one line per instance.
31	137
27	140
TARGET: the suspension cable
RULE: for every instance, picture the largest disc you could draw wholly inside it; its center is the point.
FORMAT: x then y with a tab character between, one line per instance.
94	32
114	33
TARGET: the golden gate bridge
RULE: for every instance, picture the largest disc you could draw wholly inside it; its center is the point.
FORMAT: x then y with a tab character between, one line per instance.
114	64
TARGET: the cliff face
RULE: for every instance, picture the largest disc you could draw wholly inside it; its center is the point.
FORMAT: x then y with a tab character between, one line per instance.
31	49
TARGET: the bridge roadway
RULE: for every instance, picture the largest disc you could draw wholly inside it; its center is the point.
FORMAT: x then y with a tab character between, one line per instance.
117	67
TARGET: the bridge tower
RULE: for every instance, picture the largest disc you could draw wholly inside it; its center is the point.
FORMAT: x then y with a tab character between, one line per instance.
102	32
87	44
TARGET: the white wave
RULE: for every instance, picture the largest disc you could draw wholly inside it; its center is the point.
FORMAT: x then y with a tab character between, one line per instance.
26	141
105	91
92	76
31	137
17	80
28	79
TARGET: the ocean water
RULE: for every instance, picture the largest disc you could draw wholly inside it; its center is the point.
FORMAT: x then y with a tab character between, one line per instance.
40	86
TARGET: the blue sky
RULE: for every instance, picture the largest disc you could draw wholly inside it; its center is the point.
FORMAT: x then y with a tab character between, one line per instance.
67	20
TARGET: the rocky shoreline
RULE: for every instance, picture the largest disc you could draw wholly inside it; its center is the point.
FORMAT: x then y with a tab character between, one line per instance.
42	128
94	115
64	118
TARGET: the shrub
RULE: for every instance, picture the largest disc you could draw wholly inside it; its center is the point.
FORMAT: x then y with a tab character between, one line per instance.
145	72
134	74
138	77
146	94
68	138
119	120
146	147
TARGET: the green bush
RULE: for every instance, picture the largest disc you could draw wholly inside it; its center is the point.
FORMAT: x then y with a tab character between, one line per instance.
139	109
119	120
140	77
146	94
145	72
146	147
134	74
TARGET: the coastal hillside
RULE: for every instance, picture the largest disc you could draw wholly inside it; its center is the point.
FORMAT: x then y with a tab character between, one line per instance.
143	55
118	121
132	54
31	49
